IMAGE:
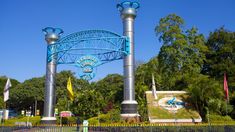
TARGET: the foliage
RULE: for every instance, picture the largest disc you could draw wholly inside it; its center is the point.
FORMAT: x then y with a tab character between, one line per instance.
220	59
112	116
87	103
90	99
143	83
186	58
182	53
219	106
63	101
3	80
111	88
23	96
67	120
213	118
202	90
221	55
34	120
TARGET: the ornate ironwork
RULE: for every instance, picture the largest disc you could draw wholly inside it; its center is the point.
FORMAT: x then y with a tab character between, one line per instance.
103	45
87	64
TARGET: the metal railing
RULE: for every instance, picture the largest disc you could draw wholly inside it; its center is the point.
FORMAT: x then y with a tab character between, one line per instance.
218	128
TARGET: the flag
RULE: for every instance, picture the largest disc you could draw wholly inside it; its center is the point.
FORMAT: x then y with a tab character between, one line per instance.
226	87
6	90
70	89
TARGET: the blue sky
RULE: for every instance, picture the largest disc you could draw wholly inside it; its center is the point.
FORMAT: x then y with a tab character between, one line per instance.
22	44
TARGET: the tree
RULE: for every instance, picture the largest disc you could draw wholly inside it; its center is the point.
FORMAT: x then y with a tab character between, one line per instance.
202	91
23	96
196	51
172	53
111	88
185	55
87	103
221	56
62	99
221	59
3	80
143	81
182	53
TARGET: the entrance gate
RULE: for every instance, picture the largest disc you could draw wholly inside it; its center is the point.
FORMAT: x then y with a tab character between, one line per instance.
89	49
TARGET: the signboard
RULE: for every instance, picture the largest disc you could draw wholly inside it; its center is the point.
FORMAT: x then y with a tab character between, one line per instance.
5	114
38	112
28	113
85	125
56	111
1	115
65	114
22	112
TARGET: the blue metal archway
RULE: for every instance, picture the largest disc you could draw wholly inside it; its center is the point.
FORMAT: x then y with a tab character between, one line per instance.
87	49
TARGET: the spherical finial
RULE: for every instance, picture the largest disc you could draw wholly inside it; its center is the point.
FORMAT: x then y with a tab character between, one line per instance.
52	34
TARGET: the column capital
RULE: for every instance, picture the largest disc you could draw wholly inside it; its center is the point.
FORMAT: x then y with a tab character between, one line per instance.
128	9
52	34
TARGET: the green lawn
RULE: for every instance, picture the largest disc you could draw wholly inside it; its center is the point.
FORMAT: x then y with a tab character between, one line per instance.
56	129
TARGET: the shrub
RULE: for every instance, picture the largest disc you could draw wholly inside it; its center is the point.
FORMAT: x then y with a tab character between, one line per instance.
218	118
93	121
111	117
34	120
67	120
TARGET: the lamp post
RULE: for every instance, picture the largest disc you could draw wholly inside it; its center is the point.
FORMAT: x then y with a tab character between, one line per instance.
128	12
51	36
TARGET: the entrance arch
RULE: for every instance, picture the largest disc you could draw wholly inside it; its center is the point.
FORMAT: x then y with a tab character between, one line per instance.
89	49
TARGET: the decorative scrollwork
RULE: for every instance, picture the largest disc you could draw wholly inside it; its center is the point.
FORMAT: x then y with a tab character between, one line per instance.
87	64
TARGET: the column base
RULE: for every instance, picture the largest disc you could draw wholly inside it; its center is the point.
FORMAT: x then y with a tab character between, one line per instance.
131	118
129	111
129	108
48	120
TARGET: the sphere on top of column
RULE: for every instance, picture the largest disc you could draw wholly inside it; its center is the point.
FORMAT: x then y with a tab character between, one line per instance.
52	34
128	9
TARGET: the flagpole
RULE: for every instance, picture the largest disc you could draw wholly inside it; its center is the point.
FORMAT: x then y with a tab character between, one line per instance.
227	102
4	111
4	105
226	92
67	104
226	107
6	97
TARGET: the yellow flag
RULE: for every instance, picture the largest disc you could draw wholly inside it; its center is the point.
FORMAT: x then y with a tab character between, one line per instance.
70	89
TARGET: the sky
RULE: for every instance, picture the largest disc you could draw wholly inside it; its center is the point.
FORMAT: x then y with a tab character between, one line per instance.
22	44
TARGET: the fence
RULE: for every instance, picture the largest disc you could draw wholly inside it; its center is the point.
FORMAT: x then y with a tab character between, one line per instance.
226	128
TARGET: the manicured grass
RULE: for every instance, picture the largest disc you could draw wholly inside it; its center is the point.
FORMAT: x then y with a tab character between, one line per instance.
56	129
